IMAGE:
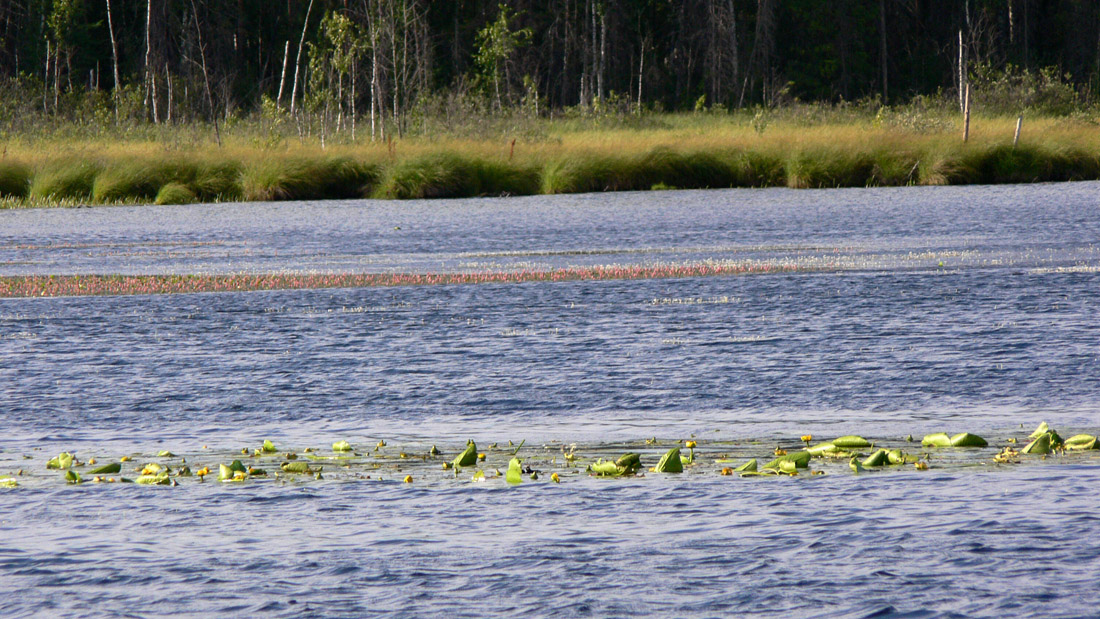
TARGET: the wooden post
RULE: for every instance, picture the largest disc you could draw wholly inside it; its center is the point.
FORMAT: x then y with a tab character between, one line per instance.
966	115
1019	124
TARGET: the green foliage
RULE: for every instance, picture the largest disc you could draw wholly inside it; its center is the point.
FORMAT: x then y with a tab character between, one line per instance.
660	167
15	179
450	175
299	178
1015	90
138	179
496	43
65	179
175	193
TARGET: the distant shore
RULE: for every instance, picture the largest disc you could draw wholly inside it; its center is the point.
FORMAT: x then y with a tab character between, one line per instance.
683	151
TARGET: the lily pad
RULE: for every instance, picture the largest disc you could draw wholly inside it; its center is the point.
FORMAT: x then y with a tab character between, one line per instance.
515	472
851	442
154	480
297	466
939	439
341	446
224	472
467	457
966	439
8	482
107	469
822	448
629	463
72	477
62	461
748	467
897	456
670	462
1041	430
269	447
1081	441
879	458
800	458
1039	446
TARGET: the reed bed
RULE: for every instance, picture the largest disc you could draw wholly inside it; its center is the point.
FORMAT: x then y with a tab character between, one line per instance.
117	285
670	151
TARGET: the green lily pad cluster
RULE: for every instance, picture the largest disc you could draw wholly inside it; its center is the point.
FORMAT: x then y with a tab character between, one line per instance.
962	439
1045	440
554	462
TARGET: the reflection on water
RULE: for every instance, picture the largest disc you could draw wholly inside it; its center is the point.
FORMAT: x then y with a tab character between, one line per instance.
929	309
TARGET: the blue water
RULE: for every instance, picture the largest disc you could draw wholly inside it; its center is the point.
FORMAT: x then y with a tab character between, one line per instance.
915	310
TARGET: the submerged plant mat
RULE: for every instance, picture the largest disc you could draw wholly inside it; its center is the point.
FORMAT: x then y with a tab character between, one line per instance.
380	461
30	286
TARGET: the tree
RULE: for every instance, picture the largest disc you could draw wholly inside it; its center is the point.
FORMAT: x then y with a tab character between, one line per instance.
496	44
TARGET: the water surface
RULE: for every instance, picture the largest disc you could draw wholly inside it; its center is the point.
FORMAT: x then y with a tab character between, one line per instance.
914	310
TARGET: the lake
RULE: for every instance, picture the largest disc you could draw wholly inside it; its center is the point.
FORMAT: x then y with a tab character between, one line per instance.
886	313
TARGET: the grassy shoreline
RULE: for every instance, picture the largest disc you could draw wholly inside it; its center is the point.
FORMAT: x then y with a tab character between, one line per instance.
673	151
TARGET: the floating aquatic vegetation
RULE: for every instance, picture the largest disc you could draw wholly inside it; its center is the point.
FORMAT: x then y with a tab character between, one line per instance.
8	482
545	464
1081	442
966	439
1041	430
748	467
879	458
152	469
269	447
801	459
939	439
34	286
851	442
822	448
962	439
341	446
515	472
63	460
468	457
299	466
626	464
670	462
1039	446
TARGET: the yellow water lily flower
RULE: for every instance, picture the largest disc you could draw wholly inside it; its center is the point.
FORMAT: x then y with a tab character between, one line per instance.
408	479
554	478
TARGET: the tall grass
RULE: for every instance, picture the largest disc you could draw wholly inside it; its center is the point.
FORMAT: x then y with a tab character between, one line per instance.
69	178
302	178
789	148
451	175
15	179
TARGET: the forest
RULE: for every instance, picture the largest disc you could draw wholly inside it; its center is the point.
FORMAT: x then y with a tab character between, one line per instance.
380	61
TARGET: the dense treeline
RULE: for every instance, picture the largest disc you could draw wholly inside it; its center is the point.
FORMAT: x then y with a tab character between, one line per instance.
376	61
